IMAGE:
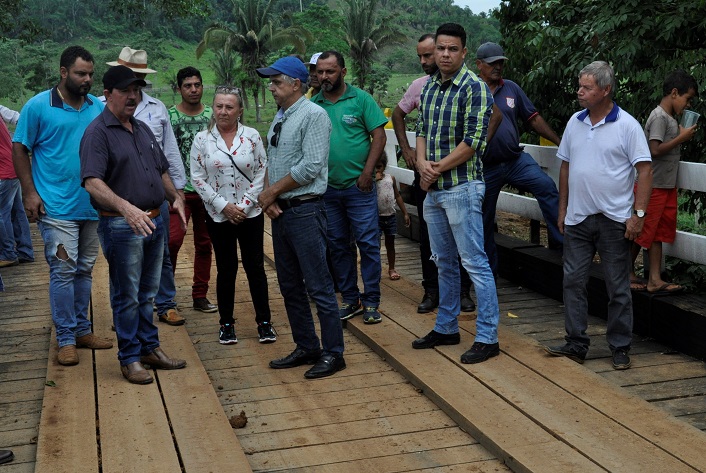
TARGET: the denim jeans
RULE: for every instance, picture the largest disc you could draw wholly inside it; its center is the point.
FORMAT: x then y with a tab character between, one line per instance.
524	174
225	238
194	210
597	233
166	296
15	237
430	277
352	210
134	266
455	222
70	275
299	241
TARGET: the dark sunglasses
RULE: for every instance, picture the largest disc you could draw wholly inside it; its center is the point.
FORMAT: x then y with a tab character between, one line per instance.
275	136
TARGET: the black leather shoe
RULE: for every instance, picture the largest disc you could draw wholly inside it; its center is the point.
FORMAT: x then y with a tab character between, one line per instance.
569	351
467	304
433	339
6	456
326	366
297	358
429	303
480	352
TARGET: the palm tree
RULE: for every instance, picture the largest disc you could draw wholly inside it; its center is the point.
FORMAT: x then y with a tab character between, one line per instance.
254	36
365	36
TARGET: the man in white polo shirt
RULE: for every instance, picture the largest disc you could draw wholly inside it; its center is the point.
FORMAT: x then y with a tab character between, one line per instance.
602	148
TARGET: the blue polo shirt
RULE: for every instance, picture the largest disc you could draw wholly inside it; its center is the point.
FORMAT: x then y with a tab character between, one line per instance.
51	130
515	107
130	163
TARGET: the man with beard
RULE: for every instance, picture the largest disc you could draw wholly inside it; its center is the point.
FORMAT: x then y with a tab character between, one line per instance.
351	197
410	102
296	181
153	112
125	172
188	118
50	127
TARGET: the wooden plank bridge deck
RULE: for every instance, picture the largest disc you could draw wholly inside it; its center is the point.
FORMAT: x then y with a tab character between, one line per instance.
392	409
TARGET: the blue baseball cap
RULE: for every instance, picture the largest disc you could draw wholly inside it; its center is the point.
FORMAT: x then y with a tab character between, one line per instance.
289	65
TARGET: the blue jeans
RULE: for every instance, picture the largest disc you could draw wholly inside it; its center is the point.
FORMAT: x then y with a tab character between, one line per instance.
524	174
351	210
597	233
166	295
299	241
70	274
15	237
455	223
134	266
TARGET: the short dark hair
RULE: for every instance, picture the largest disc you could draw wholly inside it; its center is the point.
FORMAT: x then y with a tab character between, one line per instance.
186	73
426	36
70	54
680	80
452	29
339	57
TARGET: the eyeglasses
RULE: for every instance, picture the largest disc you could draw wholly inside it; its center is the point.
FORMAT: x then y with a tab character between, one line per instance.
227	89
275	134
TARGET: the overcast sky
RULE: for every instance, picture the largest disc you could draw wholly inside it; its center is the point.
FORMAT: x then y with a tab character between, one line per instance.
478	6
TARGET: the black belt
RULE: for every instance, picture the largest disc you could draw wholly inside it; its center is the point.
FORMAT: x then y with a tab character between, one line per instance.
290	203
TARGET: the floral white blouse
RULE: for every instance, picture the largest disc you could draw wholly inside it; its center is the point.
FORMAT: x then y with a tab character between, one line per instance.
221	175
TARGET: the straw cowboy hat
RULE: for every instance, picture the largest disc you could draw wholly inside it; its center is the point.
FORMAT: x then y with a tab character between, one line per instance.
135	59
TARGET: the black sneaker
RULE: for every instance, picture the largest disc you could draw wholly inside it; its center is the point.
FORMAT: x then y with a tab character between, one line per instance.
435	338
467	304
569	351
226	335
267	332
429	302
346	311
621	360
204	305
480	352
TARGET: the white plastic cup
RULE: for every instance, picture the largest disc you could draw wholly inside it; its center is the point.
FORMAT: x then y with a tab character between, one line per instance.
689	118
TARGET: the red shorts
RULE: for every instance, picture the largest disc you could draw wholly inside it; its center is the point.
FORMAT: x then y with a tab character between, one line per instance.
661	219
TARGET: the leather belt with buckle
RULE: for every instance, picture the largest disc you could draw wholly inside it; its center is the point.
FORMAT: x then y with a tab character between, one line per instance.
290	203
151	213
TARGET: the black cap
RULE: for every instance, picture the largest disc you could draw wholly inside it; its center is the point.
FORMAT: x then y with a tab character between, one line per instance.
120	77
490	52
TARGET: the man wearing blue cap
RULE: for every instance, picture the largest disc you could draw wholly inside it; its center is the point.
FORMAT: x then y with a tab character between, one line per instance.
504	160
297	172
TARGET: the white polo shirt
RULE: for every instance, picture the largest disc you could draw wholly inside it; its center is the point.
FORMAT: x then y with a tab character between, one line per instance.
602	159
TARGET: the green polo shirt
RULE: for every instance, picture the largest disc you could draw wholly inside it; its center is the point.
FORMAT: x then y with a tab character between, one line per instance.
353	117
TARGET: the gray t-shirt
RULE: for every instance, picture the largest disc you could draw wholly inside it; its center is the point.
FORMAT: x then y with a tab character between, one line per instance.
662	127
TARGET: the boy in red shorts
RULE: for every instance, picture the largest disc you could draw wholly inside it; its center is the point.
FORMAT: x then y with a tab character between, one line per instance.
665	137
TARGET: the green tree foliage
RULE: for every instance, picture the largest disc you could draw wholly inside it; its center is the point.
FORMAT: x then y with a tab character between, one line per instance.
365	35
254	36
325	26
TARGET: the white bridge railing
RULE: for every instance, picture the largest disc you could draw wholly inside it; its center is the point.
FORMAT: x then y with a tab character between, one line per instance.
692	176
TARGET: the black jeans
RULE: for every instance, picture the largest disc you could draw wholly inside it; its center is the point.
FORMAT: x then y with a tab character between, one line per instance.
225	237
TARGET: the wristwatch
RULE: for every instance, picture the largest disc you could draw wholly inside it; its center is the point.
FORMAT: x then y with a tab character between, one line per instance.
639	213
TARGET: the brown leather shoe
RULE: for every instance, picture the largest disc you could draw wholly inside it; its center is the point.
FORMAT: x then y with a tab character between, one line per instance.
136	373
172	317
159	360
94	343
68	356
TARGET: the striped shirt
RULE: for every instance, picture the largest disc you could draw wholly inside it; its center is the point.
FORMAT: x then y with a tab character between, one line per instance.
452	112
302	148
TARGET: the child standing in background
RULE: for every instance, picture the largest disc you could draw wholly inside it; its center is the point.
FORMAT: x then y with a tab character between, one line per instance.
665	136
388	194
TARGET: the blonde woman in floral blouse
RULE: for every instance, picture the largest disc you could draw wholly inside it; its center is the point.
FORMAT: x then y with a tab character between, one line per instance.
228	164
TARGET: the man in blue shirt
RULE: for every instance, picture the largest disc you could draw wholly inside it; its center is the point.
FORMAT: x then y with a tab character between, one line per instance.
504	161
50	127
454	113
125	171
